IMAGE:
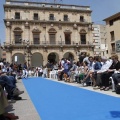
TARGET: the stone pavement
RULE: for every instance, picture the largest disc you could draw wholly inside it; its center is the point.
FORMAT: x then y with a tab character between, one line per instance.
90	88
26	110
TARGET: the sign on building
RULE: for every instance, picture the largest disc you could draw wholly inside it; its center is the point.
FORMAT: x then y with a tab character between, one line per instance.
118	46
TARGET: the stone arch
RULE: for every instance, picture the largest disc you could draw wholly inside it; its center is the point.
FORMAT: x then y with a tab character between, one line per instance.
36	30
17	29
18	58
52	30
36	59
53	57
69	55
83	31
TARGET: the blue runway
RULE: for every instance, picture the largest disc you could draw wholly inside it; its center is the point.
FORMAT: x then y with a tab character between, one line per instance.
57	101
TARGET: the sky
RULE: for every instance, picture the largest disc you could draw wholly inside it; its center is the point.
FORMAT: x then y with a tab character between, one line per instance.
101	9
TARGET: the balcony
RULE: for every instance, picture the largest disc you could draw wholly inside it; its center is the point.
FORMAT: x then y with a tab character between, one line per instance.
52	18
47	44
36	18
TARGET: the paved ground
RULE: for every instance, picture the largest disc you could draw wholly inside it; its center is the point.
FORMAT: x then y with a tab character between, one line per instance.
90	88
26	110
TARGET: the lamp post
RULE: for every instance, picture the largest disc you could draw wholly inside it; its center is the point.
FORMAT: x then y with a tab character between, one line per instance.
27	51
61	47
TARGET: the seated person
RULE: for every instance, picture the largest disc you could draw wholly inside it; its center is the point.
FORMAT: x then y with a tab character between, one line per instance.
89	71
7	82
72	71
100	73
60	72
106	75
3	105
83	70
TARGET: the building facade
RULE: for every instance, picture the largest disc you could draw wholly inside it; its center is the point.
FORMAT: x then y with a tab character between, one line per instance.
100	40
37	32
113	35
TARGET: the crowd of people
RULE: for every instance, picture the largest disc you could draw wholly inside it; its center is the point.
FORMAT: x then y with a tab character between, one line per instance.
8	91
99	72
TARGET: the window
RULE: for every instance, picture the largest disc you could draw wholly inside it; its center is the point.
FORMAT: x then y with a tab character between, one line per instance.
112	36
83	38
36	38
52	38
96	29
81	18
106	51
17	35
17	38
35	16
67	38
113	47
51	17
65	17
111	22
17	15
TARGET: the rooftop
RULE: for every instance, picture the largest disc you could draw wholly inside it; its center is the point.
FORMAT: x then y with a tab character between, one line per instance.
112	17
46	5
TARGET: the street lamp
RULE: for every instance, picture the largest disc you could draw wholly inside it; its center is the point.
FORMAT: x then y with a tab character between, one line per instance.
27	51
61	47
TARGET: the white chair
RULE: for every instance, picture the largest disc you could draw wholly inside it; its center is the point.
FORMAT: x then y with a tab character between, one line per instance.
52	74
113	84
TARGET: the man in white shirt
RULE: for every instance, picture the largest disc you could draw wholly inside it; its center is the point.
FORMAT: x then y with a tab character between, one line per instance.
106	65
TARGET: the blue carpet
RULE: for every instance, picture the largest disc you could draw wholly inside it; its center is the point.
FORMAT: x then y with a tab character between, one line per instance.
57	101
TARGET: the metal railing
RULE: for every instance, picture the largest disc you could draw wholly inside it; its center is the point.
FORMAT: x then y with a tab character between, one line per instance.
49	43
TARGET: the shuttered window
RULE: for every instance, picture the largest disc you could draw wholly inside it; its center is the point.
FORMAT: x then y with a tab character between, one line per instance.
36	38
17	38
83	38
52	38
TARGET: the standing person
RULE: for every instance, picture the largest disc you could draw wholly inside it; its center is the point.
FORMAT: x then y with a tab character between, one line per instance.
87	58
25	65
25	73
36	71
45	72
81	57
66	67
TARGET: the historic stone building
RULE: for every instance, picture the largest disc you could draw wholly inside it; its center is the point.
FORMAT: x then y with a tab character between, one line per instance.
37	32
113	34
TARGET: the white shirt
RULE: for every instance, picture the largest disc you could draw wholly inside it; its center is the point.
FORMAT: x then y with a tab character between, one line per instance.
1	63
91	68
86	59
105	66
